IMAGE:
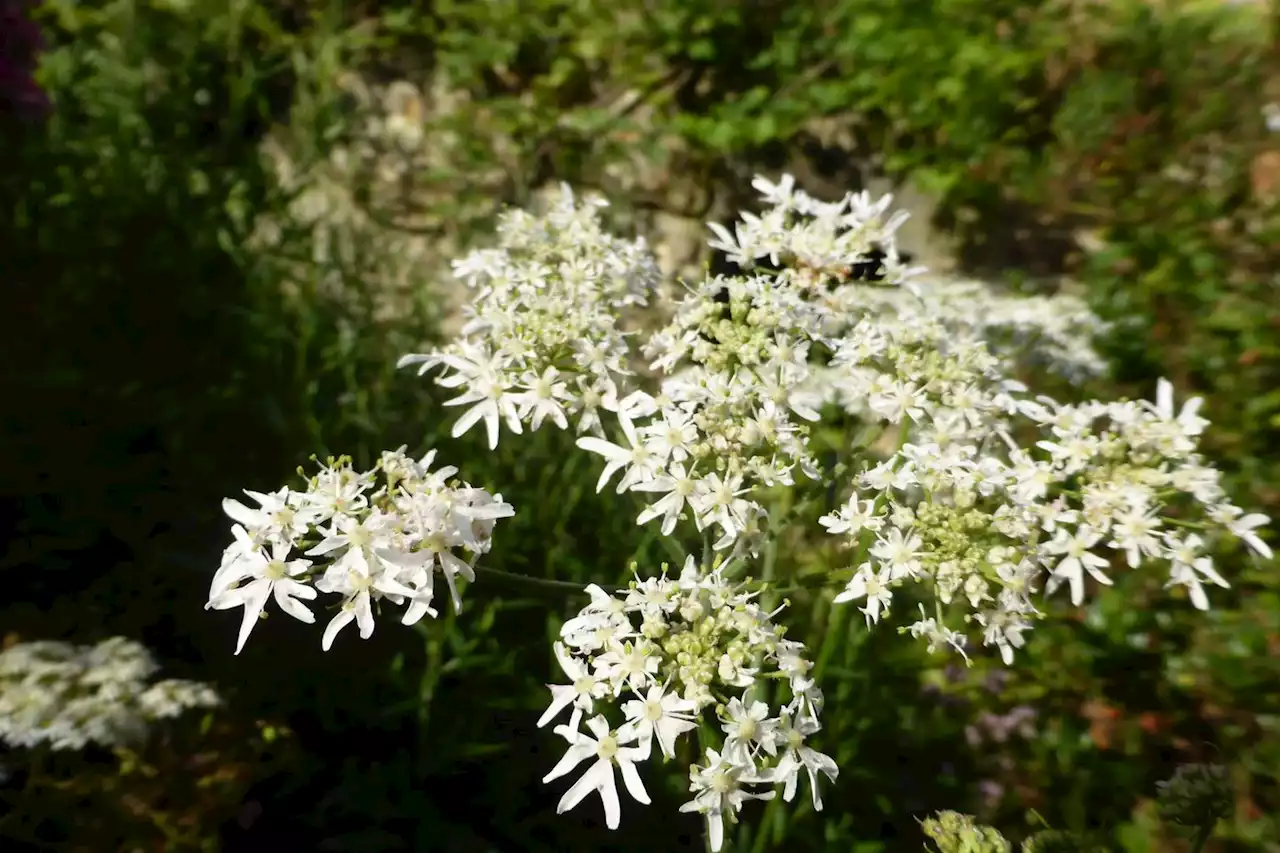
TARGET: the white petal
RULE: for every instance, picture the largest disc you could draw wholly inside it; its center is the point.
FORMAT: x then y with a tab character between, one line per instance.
364	615
561	696
336	624
420	607
254	597
469	419
241	513
609	796
590	781
571	759
635	786
285	590
715	831
599	726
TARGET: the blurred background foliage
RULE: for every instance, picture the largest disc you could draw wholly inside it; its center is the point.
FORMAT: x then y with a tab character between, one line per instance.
235	215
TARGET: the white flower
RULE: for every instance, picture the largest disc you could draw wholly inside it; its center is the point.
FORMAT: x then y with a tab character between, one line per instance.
1076	560
269	573
679	486
1190	422
1243	527
545	397
899	553
639	460
718	793
1189	565
872	585
607	748
796	757
717	501
357	580
490	401
630	663
852	518
937	635
661	714
581	693
747	729
278	514
672	437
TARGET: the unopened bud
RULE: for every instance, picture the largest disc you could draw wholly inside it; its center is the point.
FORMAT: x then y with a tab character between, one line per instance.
1198	795
952	832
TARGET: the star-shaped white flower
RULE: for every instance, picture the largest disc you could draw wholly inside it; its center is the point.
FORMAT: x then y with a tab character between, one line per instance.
606	746
269	571
663	715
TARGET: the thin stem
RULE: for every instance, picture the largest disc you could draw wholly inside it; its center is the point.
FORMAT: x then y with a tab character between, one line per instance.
568	586
1202	837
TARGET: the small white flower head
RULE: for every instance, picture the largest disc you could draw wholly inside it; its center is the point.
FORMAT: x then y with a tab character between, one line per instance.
982	524
545	339
369	537
70	697
665	655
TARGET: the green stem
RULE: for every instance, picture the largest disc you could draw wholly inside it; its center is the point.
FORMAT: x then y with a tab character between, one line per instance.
568	586
769	598
1202	837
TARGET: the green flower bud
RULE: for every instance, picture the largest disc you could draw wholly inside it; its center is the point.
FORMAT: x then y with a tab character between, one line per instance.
952	832
1198	795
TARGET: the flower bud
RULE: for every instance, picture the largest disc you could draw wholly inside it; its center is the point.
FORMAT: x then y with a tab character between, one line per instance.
1198	795
952	832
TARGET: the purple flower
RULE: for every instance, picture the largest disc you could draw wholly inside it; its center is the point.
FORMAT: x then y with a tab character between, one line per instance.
996	680
20	47
991	791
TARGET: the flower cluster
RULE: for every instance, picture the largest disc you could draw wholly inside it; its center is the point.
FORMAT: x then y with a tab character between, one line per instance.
988	528
669	656
824	323
952	832
999	728
70	697
1197	795
1052	331
544	337
742	356
381	535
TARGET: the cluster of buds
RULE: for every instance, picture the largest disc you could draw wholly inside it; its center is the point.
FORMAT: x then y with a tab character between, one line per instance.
1197	796
544	337
952	832
69	697
670	656
381	534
